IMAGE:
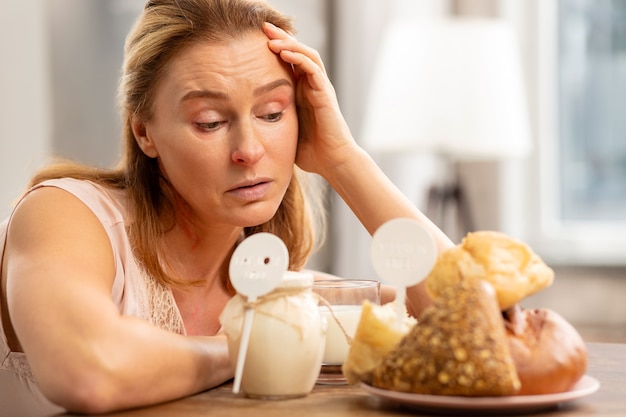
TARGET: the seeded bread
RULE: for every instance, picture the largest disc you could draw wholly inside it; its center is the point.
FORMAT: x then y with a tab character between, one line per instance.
458	347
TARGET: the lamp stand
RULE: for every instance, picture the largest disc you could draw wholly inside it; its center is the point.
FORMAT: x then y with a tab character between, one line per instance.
447	206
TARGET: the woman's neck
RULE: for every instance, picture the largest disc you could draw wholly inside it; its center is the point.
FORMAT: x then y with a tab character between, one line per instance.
203	261
199	255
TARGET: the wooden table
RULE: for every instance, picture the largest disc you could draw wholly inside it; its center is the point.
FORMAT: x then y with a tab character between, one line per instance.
607	363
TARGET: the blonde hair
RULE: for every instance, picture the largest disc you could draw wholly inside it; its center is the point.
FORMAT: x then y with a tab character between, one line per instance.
163	29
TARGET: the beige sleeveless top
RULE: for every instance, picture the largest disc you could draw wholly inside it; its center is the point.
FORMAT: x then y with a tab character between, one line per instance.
135	294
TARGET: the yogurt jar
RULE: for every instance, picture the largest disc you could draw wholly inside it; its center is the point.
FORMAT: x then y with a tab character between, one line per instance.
286	341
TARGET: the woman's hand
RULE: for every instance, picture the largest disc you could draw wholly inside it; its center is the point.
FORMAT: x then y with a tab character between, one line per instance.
325	140
326	147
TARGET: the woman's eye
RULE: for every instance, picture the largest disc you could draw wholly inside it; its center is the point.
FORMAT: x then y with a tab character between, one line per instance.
273	117
209	125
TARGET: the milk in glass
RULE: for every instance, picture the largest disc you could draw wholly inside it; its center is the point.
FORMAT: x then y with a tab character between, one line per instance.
337	346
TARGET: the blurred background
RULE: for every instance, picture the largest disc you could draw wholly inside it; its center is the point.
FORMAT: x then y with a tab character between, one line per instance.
489	114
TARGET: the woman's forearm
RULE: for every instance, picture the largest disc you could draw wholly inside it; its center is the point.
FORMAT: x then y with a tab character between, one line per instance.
374	199
141	365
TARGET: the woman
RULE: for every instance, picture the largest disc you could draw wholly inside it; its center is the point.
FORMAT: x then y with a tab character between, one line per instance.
113	280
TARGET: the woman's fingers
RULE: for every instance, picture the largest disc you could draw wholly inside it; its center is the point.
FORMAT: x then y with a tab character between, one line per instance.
306	61
322	128
282	41
306	67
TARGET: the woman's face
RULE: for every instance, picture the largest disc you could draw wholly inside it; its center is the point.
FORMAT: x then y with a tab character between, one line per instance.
224	127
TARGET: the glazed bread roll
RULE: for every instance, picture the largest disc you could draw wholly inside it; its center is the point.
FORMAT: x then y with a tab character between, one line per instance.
458	347
513	269
550	355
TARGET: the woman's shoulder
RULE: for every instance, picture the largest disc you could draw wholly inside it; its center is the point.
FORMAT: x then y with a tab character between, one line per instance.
75	215
69	212
107	204
61	205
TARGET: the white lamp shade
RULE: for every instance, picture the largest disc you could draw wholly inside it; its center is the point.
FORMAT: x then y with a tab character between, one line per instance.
452	87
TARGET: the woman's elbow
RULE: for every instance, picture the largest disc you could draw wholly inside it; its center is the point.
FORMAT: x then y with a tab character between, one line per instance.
89	390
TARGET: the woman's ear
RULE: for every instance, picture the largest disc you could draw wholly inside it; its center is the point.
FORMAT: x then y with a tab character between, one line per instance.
141	136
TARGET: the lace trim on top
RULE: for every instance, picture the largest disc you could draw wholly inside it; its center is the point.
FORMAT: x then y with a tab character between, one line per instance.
164	312
17	362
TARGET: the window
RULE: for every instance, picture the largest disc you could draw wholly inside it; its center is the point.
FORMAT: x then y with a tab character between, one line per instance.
592	109
581	90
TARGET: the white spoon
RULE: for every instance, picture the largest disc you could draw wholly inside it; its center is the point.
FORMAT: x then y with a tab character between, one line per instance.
256	268
403	253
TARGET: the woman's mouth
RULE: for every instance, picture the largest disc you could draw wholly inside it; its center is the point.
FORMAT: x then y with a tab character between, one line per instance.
251	191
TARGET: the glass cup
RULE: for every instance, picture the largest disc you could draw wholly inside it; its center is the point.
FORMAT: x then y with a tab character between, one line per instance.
345	297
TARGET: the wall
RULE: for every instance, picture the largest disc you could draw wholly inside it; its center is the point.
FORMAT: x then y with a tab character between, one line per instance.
86	41
24	97
58	83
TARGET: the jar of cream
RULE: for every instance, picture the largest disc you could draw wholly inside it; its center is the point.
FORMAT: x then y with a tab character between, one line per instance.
286	342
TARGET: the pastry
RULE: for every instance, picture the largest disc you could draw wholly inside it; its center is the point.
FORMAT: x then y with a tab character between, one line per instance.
513	269
377	333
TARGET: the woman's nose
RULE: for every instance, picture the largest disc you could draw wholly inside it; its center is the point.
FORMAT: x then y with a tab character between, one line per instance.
249	147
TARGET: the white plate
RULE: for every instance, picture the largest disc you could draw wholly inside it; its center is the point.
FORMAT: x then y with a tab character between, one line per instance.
518	403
